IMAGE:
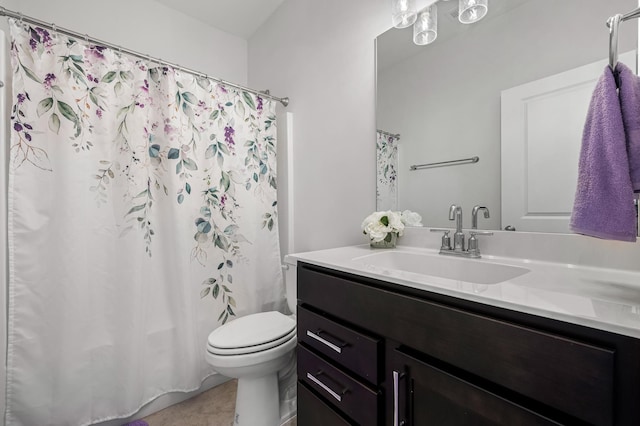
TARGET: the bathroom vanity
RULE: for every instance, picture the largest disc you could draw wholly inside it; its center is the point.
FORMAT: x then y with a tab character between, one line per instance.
379	347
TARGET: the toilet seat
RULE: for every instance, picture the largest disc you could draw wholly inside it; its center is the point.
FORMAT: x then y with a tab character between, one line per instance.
252	333
252	349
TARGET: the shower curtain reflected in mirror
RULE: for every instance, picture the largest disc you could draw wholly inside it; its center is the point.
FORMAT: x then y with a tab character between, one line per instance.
142	215
386	171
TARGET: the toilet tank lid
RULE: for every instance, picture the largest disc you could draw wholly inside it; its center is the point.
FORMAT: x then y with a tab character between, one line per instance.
252	330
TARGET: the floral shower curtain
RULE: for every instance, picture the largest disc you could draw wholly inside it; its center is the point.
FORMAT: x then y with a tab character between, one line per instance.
386	171
142	215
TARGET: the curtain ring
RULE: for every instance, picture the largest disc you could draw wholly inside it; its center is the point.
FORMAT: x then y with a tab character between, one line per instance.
20	17
86	37
54	27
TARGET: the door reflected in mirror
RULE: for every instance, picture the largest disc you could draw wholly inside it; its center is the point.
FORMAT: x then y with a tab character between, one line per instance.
510	89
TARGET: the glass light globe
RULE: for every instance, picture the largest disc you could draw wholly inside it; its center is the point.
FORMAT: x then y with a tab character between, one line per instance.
425	29
403	13
471	11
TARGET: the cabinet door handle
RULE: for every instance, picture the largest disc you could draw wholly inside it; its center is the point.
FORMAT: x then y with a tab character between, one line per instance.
396	399
325	342
396	380
318	382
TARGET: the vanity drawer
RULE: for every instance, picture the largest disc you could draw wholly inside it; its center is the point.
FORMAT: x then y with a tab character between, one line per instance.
573	376
349	348
348	395
313	411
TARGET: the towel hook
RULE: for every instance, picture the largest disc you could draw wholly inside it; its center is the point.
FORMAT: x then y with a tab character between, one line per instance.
613	23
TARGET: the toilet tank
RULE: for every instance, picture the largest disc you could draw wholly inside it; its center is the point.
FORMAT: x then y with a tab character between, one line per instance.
290	283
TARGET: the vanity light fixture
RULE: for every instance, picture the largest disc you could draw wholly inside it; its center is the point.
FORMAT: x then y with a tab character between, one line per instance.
471	11
425	22
403	13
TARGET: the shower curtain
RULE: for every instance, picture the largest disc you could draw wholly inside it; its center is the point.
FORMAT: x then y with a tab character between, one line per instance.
386	171
142	215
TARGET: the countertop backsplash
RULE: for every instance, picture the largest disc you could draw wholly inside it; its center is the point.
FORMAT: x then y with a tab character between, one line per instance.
547	247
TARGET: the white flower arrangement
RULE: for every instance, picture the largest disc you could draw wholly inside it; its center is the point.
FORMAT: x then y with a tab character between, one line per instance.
382	225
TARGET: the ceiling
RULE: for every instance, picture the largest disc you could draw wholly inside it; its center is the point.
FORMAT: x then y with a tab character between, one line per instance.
238	17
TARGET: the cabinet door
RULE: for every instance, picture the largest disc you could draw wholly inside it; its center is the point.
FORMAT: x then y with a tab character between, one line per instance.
422	395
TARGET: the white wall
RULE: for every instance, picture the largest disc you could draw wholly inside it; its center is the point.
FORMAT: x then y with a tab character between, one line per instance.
148	27
321	55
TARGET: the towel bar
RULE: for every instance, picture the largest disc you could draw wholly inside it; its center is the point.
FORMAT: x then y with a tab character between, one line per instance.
445	163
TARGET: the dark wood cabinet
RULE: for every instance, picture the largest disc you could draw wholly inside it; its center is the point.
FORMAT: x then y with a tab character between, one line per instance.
439	360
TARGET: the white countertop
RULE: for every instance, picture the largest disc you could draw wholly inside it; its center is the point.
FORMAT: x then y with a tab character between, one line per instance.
597	297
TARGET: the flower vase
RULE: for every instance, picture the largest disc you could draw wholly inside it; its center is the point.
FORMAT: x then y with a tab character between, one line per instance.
388	242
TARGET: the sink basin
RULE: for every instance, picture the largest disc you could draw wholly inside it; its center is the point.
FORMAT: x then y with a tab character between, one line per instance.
459	269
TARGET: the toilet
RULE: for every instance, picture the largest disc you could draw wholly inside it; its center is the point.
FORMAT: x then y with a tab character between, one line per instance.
253	349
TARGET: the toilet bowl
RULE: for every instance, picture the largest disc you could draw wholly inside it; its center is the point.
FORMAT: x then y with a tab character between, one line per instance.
253	349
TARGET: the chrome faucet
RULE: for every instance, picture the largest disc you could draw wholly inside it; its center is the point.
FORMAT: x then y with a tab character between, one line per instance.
474	215
455	213
458	249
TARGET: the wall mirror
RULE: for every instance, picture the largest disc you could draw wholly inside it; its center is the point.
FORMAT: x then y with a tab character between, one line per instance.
499	90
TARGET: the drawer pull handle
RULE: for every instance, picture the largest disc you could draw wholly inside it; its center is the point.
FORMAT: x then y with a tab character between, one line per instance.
396	399
325	342
330	391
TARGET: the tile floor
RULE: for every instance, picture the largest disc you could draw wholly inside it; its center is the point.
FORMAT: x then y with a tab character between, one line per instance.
214	407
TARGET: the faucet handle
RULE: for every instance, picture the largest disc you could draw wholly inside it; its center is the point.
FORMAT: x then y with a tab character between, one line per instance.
446	239
474	251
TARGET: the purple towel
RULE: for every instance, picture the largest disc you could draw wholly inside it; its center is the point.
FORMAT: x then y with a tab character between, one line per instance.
137	423
603	205
630	104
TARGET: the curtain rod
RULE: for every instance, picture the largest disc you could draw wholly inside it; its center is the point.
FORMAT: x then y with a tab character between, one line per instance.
393	135
55	28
